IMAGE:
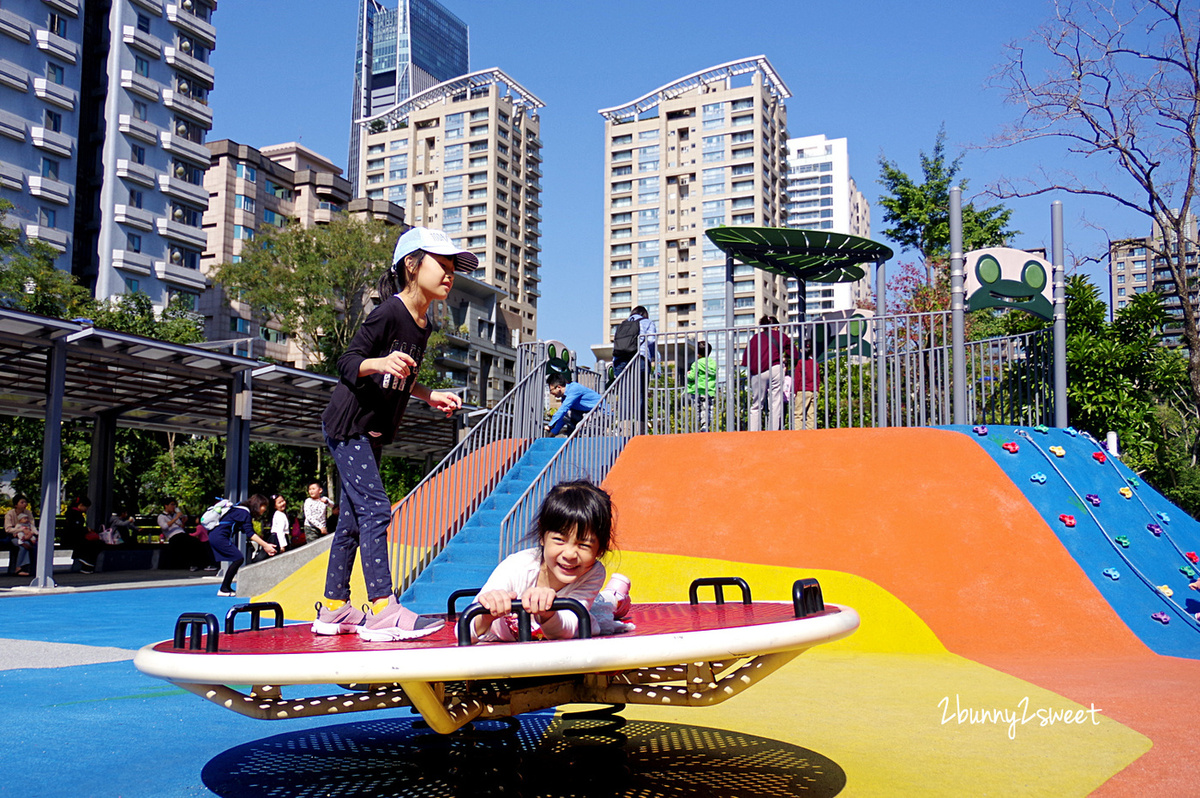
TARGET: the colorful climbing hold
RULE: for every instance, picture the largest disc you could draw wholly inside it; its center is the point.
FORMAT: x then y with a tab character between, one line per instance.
1161	617
1071	431
1166	590
1011	447
1188	571
1093	499
1166	519
1039	478
1126	492
1122	541
979	430
1154	529
1042	428
1192	557
1099	457
1069	520
1112	573
1133	481
1057	451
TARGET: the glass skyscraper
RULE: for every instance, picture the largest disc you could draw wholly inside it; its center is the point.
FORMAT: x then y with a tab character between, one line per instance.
401	52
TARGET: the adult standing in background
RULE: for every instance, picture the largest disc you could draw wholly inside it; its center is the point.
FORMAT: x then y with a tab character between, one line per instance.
765	358
647	335
84	544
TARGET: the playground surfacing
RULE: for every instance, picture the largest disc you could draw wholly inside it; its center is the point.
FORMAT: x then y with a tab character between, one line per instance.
966	607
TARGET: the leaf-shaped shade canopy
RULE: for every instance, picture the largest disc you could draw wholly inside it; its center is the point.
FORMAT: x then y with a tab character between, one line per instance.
817	256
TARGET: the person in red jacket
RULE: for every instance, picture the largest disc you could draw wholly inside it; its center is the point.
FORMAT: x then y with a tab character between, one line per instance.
765	357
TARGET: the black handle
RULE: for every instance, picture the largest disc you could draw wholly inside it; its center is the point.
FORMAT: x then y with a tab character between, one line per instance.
196	623
806	598
524	625
451	610
718	583
256	610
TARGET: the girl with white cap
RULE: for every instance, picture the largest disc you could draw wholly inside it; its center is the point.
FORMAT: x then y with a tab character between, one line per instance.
378	374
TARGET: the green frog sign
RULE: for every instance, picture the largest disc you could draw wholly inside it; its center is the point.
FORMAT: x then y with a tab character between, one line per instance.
999	277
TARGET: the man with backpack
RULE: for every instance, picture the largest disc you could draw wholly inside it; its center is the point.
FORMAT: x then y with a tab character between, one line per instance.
634	336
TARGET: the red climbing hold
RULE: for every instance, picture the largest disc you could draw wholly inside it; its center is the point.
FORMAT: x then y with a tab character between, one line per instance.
1011	447
1069	520
1192	558
1099	457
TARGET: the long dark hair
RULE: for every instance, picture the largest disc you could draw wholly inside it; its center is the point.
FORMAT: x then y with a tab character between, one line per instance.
399	275
256	504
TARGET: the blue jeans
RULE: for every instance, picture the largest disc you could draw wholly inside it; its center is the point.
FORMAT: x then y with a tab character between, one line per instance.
362	522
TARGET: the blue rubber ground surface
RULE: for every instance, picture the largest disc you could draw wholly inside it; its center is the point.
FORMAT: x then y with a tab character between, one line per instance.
1148	562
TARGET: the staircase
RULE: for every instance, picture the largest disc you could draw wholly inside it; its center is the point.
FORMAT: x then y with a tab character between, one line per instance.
471	556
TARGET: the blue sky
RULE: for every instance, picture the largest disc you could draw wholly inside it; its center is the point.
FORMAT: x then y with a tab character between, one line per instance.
883	75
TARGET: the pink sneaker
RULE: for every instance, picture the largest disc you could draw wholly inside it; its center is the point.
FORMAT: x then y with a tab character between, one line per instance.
342	621
396	622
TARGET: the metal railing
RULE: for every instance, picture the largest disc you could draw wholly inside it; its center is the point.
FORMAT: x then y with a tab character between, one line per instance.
438	507
588	452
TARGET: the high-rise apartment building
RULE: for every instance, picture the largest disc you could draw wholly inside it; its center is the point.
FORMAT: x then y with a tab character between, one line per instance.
103	114
823	196
1134	268
705	150
401	51
465	156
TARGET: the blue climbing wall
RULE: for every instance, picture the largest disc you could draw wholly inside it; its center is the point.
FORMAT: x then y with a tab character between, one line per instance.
1113	537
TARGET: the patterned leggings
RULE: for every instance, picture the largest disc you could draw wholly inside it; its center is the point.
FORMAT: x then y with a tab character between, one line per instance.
362	522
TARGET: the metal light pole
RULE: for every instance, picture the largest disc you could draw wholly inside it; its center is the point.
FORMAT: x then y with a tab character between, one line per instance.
1060	314
958	375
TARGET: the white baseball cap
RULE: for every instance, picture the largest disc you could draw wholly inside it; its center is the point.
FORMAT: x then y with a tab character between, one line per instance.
436	242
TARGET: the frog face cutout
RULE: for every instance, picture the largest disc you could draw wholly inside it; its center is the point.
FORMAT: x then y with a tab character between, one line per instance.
999	277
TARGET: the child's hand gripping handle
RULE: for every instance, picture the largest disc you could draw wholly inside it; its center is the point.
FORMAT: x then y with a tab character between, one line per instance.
524	626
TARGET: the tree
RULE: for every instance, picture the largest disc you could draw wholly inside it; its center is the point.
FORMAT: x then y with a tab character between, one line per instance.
30	282
314	282
920	212
134	314
1118	83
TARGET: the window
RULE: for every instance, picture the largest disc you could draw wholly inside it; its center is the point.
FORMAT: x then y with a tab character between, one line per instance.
135	198
648	135
50	168
271	217
137	153
625	139
374	149
452	157
398	193
141	66
47	217
240	326
242	202
1120	278
477	162
186	214
647	190
452	189
143	23
454	126
246	172
133	242
188	173
479	130
54	121
131	285
57	25
713	180
482	113
622	170
477	193
243	233
55	73
139	110
622	186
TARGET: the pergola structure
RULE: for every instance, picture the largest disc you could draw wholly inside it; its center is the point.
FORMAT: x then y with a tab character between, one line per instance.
63	370
817	256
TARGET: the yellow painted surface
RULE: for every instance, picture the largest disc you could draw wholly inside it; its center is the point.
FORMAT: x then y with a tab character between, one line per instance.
890	721
887	625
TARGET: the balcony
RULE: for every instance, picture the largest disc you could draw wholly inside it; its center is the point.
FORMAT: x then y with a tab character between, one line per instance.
140	40
57	46
178	231
193	66
180	275
135	172
138	128
68	7
58	239
181	189
191	24
55	94
154	6
14	76
46	139
134	217
134	262
12	125
139	85
14	26
178	145
177	101
533	170
49	189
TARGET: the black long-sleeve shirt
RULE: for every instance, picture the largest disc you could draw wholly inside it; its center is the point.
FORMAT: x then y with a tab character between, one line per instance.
362	405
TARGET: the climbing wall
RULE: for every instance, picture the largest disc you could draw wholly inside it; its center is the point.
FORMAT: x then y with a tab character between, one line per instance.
1138	549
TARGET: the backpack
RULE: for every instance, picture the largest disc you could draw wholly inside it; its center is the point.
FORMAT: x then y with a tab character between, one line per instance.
625	342
212	516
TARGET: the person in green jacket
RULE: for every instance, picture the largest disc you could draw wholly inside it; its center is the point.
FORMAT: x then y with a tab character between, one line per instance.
702	384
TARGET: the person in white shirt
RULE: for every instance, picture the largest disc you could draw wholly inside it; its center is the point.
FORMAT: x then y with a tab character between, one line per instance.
316	511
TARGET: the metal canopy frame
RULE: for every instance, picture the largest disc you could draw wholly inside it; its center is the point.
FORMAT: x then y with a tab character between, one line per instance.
60	370
817	256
